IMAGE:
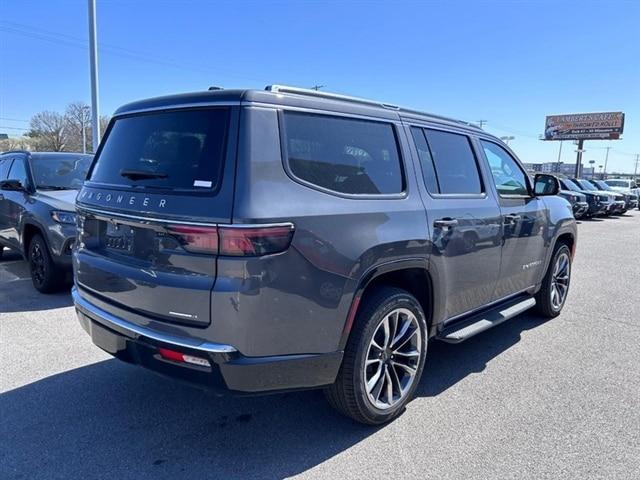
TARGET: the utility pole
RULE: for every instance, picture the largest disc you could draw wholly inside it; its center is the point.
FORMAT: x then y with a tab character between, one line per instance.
481	123
317	87
606	159
93	60
635	171
579	158
559	155
84	134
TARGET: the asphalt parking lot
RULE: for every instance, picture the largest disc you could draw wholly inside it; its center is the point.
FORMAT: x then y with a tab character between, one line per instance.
528	399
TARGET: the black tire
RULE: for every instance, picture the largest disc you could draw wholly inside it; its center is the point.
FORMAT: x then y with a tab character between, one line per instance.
45	275
545	304
348	394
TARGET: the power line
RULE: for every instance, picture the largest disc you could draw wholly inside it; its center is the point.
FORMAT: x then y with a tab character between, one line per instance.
15	128
14	119
71	41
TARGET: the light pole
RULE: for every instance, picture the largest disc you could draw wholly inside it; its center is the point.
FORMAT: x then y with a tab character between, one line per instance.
580	150
93	60
606	159
559	154
84	134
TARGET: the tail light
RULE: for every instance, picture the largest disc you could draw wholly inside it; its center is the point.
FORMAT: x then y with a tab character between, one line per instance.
196	239
254	241
235	241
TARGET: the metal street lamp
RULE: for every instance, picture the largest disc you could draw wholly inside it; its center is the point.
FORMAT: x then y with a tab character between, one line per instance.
93	62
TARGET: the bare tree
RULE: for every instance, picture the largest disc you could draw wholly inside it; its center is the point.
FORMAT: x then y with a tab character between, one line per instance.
71	132
49	131
104	123
15	143
78	117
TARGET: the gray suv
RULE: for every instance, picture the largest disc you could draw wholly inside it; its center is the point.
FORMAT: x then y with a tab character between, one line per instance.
37	211
286	239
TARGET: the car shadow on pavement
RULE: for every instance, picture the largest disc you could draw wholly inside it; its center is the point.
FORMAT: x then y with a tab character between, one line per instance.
114	420
447	363
111	419
20	296
17	293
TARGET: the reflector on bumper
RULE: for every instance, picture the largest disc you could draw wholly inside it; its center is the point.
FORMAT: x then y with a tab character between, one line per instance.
182	358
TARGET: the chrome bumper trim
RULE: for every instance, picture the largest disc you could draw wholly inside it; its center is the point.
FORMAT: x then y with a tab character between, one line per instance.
131	330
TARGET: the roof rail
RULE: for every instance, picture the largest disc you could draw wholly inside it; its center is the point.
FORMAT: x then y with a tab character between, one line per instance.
335	96
363	101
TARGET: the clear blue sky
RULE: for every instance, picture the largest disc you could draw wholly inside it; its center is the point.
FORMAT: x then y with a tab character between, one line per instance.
508	62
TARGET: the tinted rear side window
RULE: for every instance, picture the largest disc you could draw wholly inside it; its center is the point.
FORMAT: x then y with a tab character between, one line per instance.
426	161
455	163
344	155
168	150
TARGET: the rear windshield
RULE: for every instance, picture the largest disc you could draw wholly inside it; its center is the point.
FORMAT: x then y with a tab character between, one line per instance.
168	150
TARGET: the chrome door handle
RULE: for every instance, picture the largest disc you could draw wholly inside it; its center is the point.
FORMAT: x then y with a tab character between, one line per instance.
445	223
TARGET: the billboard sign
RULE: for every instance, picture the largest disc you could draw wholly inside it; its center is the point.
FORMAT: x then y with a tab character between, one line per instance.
584	126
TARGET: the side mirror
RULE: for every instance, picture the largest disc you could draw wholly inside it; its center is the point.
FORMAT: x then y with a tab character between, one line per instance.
14	185
545	185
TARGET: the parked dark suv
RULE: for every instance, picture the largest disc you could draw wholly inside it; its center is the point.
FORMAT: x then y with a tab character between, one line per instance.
37	211
287	239
598	203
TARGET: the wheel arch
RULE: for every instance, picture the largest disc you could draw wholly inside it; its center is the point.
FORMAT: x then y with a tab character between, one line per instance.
29	230
568	239
566	236
411	275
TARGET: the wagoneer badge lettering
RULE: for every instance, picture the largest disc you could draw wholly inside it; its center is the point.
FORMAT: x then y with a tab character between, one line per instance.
120	199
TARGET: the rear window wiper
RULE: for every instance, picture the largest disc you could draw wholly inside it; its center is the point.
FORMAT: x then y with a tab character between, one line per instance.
141	174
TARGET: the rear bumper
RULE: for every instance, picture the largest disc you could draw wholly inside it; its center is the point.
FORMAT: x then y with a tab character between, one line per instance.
228	370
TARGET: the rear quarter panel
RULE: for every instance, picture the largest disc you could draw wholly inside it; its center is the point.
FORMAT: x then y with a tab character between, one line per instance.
298	301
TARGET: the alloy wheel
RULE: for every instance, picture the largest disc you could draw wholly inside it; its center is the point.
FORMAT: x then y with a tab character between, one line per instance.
392	359
37	264
560	281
